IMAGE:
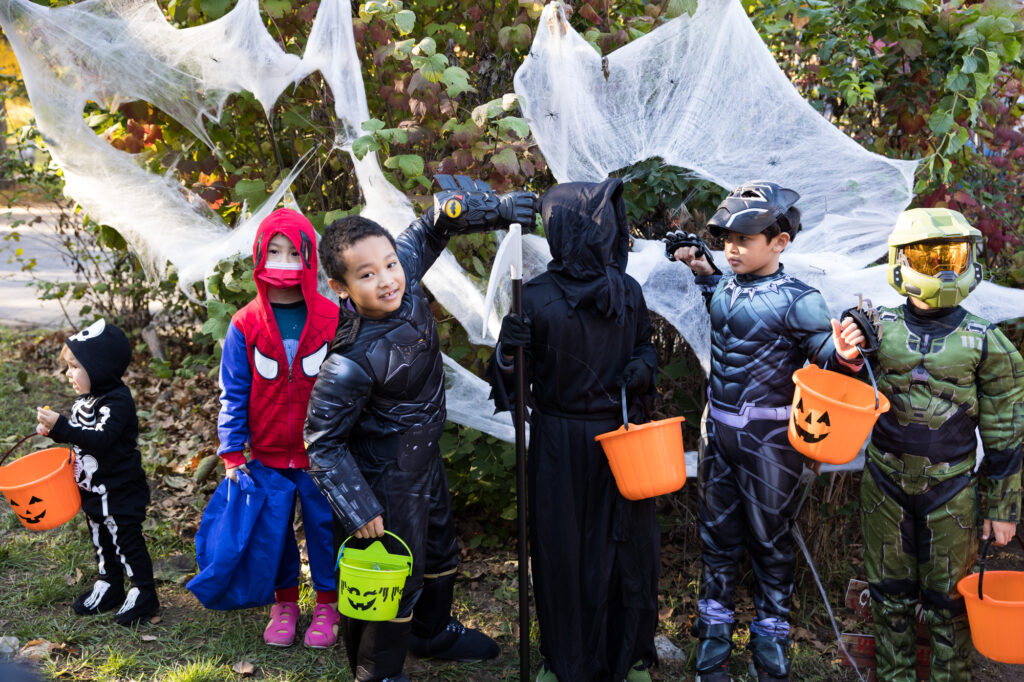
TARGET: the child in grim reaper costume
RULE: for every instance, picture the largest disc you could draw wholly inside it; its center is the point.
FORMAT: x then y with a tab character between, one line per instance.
586	332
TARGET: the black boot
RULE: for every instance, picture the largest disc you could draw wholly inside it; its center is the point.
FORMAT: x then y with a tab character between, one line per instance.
379	649
104	596
456	643
713	651
139	604
771	657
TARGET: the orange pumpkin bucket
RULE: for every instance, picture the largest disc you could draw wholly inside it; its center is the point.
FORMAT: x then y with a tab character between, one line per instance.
832	414
646	460
41	487
995	611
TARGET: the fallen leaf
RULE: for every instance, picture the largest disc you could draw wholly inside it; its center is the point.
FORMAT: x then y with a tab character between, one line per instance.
149	638
176	482
155	619
244	668
73	579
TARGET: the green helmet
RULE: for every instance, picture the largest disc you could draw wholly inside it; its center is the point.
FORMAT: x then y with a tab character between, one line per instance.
933	256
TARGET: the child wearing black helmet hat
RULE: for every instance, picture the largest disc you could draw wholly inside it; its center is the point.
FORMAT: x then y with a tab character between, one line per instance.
764	325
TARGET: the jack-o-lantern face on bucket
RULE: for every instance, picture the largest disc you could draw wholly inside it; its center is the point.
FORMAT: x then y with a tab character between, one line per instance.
30	512
360	601
811	426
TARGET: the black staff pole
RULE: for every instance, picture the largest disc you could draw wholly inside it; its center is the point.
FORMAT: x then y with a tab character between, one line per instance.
520	426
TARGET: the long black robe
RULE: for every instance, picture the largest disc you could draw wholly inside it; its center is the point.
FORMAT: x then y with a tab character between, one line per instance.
595	554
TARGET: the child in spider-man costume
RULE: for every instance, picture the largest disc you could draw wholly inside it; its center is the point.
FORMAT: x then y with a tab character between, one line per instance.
272	353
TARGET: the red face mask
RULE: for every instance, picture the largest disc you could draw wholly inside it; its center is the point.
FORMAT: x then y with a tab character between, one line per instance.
282	275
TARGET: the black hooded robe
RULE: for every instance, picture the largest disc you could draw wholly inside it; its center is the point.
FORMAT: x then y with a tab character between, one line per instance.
595	554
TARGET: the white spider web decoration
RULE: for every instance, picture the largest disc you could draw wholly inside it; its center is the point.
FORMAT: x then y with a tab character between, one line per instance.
701	92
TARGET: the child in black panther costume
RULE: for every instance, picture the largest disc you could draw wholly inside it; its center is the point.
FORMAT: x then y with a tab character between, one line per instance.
377	411
103	430
764	325
586	331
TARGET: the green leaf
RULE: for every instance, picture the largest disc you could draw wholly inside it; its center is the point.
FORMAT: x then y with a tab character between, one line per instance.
277	8
425	47
432	68
914	5
405	21
957	81
410	164
506	162
940	122
253	191
456	81
911	47
372	124
482	113
970	64
517	125
676	8
97	119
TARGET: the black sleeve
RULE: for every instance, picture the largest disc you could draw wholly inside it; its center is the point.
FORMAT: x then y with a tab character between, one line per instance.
419	246
339	395
115	412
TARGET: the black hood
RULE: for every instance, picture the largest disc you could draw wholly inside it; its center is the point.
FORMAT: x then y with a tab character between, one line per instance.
104	352
585	224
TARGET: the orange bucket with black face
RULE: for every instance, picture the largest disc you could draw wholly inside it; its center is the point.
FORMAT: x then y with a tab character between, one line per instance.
41	487
832	414
646	460
995	610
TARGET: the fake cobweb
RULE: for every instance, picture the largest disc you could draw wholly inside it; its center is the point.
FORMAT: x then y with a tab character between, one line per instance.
701	92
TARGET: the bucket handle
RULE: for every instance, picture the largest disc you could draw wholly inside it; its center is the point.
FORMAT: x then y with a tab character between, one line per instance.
981	561
15	447
874	384
337	564
625	414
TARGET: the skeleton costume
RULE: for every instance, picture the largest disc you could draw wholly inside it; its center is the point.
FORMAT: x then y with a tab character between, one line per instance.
266	376
102	431
595	554
375	416
946	373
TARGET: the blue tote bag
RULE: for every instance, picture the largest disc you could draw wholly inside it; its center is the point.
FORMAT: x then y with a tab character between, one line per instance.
240	540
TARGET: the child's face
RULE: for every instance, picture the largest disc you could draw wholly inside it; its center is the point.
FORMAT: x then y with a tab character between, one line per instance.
281	250
76	374
374	279
754	254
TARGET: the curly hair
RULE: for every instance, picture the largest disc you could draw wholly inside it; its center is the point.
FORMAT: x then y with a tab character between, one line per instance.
342	234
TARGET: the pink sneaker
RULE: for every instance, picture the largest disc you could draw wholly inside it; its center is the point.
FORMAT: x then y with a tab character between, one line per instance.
323	631
281	628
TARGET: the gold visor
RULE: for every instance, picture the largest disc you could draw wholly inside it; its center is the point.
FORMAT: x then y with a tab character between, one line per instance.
931	258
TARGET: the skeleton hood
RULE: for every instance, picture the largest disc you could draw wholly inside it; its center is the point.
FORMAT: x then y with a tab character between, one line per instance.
104	352
586	228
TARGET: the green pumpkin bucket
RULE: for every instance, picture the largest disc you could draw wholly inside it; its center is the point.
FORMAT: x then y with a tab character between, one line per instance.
371	580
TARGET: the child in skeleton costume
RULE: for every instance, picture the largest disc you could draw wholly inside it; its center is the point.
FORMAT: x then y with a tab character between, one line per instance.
946	373
764	325
586	332
272	353
102	430
375	416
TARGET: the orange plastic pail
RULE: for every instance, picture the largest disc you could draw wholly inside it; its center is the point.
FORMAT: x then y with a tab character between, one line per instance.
41	488
646	459
995	612
832	414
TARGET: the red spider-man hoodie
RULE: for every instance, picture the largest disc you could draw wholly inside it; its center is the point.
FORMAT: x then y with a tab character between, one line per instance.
263	399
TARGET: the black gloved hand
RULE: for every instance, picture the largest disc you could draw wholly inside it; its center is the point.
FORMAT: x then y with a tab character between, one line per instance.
679	239
519	207
636	377
515	333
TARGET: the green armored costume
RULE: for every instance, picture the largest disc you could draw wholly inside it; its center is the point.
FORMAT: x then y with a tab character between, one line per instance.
946	373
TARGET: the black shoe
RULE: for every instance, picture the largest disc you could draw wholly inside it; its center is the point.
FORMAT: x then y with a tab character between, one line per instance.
719	674
455	643
770	658
138	605
103	596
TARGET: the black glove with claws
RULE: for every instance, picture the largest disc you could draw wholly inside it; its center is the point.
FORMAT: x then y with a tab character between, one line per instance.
459	211
519	207
866	317
679	239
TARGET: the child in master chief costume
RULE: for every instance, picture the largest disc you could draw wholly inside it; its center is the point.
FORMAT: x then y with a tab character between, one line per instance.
946	373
